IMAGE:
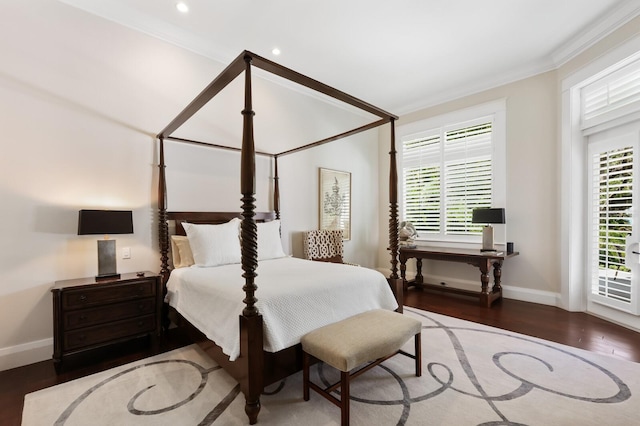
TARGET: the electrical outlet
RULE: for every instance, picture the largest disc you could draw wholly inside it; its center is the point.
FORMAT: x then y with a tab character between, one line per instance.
126	252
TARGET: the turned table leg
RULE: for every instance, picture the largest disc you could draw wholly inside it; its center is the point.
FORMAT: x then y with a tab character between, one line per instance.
497	276
403	272
485	266
419	277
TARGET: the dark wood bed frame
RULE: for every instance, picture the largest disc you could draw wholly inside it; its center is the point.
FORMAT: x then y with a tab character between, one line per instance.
255	368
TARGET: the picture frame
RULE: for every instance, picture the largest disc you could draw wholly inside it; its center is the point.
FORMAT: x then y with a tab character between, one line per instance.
335	201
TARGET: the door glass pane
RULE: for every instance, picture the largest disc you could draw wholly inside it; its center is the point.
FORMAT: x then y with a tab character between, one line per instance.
612	212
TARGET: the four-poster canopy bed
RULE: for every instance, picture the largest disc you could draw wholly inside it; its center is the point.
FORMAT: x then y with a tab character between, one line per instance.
254	367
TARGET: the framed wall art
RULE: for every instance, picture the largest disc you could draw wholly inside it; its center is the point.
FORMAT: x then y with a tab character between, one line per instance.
335	201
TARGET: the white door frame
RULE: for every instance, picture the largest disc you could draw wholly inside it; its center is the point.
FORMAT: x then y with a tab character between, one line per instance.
573	178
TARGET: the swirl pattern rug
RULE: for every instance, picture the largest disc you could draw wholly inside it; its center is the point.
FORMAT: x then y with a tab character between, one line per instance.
472	375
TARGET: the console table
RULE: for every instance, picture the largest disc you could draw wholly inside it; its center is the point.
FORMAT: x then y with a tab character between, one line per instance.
482	260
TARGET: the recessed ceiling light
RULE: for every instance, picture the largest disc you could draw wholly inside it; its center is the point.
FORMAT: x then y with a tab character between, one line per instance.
275	51
182	7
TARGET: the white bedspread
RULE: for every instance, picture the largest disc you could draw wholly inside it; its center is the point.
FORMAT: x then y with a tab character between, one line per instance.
294	296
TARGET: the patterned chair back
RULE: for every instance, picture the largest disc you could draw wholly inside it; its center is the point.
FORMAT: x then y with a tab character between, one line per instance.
324	245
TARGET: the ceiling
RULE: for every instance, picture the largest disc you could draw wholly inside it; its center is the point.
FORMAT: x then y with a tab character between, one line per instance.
403	58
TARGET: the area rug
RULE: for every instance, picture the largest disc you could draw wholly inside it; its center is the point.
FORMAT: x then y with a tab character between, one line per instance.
472	375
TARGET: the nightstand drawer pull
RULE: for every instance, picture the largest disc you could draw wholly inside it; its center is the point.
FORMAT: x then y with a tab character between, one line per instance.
82	297
83	318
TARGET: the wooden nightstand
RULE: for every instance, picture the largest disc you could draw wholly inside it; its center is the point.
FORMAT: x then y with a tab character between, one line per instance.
88	314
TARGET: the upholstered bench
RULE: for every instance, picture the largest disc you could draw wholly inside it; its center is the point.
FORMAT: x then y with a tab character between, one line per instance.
370	337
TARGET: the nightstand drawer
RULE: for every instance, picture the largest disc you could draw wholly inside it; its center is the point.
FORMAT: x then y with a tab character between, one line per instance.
108	332
83	297
99	315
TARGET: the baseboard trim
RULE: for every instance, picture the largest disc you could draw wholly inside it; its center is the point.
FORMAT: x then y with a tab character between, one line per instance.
531	295
25	354
508	291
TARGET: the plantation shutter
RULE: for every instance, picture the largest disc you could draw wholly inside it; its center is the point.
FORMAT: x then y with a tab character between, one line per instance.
612	96
468	176
447	173
612	203
421	177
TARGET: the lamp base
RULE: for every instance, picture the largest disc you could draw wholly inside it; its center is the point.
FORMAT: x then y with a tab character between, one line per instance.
107	259
487	239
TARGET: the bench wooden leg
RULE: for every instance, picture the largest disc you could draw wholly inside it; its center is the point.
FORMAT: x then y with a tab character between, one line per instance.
305	375
344	397
418	352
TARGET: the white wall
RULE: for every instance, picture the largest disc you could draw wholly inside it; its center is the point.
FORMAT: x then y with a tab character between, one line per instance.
299	186
81	101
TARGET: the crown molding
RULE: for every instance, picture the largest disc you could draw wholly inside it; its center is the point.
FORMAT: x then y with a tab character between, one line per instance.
463	91
595	32
610	22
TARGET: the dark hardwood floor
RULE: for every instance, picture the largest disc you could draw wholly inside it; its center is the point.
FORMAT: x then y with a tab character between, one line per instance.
554	324
575	329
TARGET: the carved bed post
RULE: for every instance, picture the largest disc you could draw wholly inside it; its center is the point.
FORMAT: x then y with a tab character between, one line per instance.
163	230
251	337
394	281
276	189
163	233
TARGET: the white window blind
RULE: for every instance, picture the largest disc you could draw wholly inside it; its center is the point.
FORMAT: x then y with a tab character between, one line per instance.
467	165
612	204
612	96
447	172
421	178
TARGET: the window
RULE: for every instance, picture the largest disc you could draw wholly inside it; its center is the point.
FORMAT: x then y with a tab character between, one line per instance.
612	96
451	165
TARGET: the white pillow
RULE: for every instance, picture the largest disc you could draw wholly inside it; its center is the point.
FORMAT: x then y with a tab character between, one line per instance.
269	242
214	245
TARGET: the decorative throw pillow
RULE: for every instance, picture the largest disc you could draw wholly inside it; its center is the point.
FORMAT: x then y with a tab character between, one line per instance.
333	259
181	252
269	241
214	245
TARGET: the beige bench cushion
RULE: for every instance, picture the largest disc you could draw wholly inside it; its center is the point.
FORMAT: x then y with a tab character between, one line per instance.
361	338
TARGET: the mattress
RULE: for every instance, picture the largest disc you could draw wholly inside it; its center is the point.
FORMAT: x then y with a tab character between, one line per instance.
294	296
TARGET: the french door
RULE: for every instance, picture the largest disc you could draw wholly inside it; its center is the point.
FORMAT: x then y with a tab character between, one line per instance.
613	219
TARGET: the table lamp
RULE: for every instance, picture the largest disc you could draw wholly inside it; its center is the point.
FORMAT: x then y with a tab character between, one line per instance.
488	216
105	222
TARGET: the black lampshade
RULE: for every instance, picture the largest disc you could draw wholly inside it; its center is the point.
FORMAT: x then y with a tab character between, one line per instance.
488	215
95	222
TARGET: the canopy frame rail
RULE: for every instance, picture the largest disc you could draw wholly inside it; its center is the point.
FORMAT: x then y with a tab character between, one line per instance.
238	65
